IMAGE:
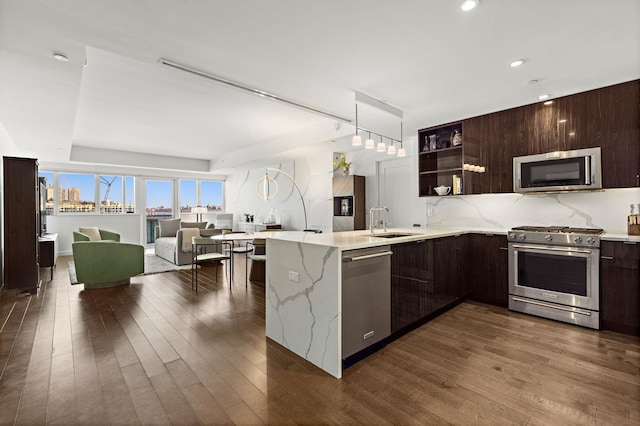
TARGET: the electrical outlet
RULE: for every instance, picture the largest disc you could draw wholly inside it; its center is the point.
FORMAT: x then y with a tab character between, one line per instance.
294	276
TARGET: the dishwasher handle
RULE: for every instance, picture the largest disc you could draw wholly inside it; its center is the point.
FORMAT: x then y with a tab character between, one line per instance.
366	256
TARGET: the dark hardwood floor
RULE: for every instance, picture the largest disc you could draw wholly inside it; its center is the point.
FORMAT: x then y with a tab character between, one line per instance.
154	352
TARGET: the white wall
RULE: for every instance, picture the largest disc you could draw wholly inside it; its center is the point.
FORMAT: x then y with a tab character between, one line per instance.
313	174
313	177
128	226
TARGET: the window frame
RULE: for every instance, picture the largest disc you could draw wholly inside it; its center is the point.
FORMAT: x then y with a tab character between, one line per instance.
97	207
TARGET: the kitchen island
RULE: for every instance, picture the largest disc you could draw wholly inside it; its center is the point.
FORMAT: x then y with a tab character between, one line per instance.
304	288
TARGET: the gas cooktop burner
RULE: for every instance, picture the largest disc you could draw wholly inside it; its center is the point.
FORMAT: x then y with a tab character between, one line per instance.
559	229
556	235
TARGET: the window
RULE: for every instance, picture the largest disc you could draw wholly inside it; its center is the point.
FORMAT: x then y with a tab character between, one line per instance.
81	193
158	206
188	195
76	193
48	176
159	198
203	193
111	194
211	195
116	194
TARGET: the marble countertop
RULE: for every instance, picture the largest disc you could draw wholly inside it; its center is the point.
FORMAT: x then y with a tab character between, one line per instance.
351	240
608	236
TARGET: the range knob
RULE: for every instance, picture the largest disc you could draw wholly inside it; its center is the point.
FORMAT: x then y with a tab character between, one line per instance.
548	237
522	236
577	240
512	235
591	240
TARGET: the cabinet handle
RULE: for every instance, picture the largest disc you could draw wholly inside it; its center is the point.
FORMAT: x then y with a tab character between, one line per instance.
630	242
504	248
606	257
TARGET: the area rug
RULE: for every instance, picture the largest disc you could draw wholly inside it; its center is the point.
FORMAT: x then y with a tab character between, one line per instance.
152	265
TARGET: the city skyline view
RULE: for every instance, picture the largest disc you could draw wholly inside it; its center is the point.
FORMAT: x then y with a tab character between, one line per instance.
159	193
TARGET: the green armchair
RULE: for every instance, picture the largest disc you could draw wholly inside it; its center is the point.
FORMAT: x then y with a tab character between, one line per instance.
106	263
104	235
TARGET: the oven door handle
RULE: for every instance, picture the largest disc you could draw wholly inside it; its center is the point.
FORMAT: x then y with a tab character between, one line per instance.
548	248
552	306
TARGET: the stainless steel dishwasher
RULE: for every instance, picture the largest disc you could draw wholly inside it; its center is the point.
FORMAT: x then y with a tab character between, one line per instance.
366	298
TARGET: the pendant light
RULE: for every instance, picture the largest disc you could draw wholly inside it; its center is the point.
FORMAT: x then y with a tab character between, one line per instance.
401	151
357	140
391	150
369	144
381	146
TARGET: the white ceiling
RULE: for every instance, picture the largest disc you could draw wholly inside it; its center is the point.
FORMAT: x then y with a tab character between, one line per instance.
427	58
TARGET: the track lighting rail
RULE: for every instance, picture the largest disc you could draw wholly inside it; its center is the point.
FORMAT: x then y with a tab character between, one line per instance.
251	90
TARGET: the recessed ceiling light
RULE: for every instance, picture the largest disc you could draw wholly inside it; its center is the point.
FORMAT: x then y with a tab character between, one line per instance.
467	5
516	63
61	57
548	103
545	96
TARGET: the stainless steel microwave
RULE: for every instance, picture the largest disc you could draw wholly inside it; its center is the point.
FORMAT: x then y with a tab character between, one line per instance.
579	169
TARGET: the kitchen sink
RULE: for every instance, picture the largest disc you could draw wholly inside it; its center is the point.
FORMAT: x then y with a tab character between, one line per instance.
392	235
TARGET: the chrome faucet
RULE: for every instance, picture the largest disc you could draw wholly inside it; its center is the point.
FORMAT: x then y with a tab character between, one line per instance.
382	222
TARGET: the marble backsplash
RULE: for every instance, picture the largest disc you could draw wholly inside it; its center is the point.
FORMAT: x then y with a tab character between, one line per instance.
607	209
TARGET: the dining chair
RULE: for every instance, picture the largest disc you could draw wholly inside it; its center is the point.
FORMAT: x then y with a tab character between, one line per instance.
240	248
256	253
205	250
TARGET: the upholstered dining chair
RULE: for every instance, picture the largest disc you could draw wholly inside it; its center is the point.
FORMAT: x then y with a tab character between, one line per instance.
205	250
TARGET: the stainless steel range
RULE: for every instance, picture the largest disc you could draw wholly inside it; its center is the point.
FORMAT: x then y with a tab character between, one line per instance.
554	272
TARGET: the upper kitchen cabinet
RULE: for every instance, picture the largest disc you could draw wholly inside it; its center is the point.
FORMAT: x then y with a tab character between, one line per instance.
493	139
440	159
609	118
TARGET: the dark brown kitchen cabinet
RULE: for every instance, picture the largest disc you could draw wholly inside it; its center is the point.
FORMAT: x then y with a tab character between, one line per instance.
493	137
426	276
412	282
21	226
450	279
609	118
620	287
440	159
489	269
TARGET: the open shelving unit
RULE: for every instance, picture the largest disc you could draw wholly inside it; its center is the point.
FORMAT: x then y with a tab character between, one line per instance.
440	161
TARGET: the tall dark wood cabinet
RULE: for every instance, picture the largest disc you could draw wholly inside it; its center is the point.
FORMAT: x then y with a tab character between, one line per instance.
21	227
349	203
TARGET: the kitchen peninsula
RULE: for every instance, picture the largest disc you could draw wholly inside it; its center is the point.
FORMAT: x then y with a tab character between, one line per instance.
305	310
304	288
